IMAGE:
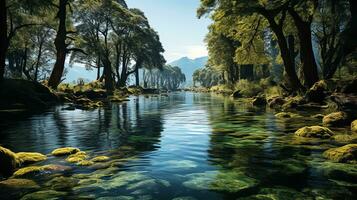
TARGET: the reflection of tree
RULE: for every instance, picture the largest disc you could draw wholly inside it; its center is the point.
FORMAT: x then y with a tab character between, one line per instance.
246	139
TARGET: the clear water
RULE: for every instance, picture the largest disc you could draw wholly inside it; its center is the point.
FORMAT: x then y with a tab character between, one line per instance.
181	146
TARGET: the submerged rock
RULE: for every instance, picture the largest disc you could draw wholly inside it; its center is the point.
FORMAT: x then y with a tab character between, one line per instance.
100	159
65	151
335	119
62	183
8	161
30	157
287	115
344	154
354	126
314	132
85	163
40	169
44	195
18	183
344	138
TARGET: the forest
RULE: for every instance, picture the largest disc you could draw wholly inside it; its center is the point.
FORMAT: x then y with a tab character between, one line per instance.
271	114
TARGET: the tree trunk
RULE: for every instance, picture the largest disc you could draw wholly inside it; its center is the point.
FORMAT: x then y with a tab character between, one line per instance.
4	44
61	48
108	75
307	56
284	50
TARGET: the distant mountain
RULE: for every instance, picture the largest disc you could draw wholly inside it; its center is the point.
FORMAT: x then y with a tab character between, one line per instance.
188	66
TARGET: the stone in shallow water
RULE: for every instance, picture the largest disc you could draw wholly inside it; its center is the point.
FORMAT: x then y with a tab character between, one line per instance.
344	138
30	157
62	183
278	193
85	163
285	115
44	195
65	151
344	154
40	169
100	159
18	183
228	181
314	132
335	119
354	126
290	166
338	171
8	160
77	157
182	164
148	184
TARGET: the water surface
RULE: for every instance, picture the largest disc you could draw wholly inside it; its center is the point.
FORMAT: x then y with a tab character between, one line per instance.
181	146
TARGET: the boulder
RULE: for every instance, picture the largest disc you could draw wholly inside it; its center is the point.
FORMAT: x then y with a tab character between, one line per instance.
275	102
31	170
354	126
293	102
335	119
237	94
314	132
317	93
344	154
77	157
345	138
19	183
259	101
100	159
8	161
30	157
64	151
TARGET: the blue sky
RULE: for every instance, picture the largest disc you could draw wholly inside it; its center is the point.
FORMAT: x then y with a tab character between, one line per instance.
181	33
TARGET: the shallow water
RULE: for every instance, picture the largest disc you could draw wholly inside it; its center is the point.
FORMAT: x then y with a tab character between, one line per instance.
181	146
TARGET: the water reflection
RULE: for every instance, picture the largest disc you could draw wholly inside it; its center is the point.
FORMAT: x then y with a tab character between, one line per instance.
185	145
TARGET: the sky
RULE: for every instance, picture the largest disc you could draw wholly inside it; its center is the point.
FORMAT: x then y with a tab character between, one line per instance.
181	33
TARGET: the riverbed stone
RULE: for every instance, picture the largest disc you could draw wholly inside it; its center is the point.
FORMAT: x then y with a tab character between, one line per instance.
77	157
314	132
44	195
62	183
19	183
259	101
344	154
335	119
354	126
317	93
345	138
85	163
100	159
30	157
40	169
8	161
65	151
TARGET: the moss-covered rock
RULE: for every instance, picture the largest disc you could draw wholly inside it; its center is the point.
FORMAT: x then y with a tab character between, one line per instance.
62	183
77	157
317	93
276	102
18	183
40	169
354	126
314	132
335	119
100	159
65	151
30	157
8	161
44	195
259	101
318	116
293	102
345	138
344	154
85	163
285	115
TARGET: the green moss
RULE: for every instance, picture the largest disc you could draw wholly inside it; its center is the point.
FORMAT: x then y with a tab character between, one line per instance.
314	132
285	115
344	154
344	138
39	169
17	183
77	157
335	119
100	159
65	151
30	157
354	126
85	163
44	195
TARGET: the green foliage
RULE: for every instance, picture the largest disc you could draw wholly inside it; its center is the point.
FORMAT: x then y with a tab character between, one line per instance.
248	88
168	77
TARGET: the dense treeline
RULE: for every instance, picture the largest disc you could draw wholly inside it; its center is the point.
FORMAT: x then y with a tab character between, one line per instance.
38	36
293	42
168	78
